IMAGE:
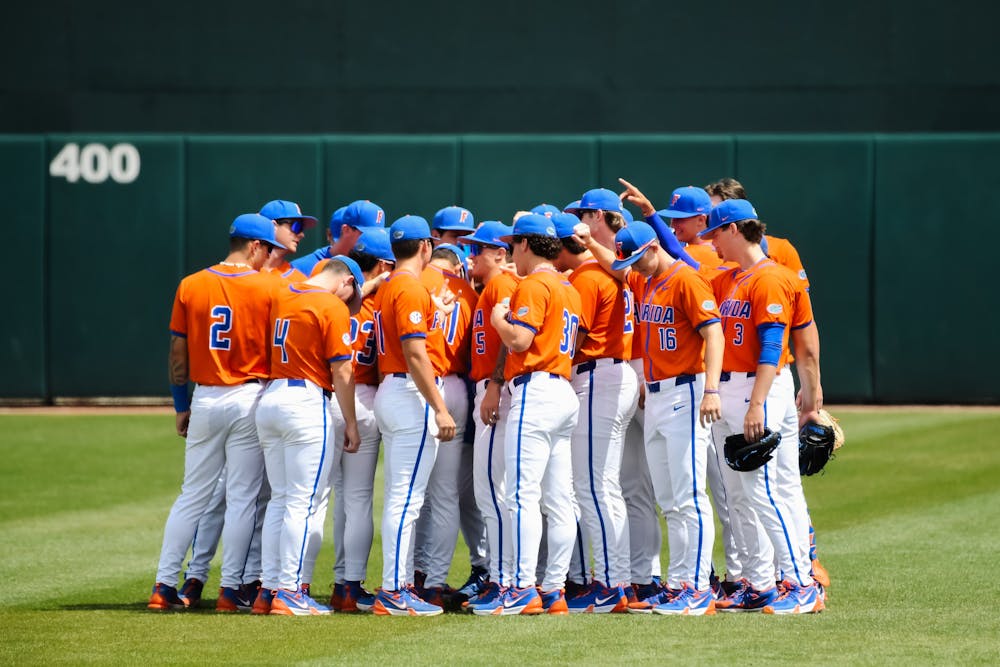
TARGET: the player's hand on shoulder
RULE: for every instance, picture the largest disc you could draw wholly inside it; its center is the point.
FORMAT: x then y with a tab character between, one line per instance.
711	409
182	421
445	425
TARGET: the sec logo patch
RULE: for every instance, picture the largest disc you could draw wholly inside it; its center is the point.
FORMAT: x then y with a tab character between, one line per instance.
346	338
774	308
416	317
708	305
522	311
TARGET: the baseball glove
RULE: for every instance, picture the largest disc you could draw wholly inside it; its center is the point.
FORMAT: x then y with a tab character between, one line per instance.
746	456
818	440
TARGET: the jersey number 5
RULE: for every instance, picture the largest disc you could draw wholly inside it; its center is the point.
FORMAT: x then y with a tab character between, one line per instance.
222	322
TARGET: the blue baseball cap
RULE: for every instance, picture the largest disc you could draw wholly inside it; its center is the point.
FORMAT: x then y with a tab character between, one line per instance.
280	209
687	202
408	228
627	215
359	279
336	220
631	243
375	241
565	222
363	213
254	226
489	232
454	219
572	207
548	210
600	199
731	210
532	224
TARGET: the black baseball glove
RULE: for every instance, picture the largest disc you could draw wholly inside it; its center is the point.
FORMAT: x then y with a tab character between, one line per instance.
746	456
817	442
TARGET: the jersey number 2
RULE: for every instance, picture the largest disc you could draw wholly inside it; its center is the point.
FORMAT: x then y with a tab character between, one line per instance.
222	322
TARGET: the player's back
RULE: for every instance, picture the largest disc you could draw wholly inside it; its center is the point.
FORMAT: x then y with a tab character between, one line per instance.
363	342
311	329
784	253
548	304
223	312
605	314
403	310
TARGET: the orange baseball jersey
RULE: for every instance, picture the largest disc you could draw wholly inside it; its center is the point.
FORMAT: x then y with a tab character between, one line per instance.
606	314
456	324
705	255
671	308
485	339
311	328
363	342
784	253
547	305
802	313
403	310
287	273
223	312
761	294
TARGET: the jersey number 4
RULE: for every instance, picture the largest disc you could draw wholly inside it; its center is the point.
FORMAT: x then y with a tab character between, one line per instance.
280	336
222	323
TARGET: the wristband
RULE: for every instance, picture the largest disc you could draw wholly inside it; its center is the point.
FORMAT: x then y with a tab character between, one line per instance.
182	402
711	391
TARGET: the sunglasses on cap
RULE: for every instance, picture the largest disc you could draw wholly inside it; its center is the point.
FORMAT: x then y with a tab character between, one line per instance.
294	224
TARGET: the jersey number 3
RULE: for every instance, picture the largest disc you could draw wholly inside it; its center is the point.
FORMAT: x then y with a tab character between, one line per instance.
571	323
222	323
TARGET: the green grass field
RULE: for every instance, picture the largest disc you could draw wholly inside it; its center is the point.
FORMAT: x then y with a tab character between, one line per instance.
907	522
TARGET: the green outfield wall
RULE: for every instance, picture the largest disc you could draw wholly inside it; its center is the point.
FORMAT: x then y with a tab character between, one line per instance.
894	230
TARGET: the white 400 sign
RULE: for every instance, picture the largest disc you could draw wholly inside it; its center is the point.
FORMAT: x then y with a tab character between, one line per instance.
94	163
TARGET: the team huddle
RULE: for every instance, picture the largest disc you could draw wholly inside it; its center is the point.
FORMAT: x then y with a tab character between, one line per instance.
540	389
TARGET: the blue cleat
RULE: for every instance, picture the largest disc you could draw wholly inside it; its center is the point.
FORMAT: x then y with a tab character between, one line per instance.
511	602
688	602
797	600
165	598
404	602
490	593
298	603
599	599
554	602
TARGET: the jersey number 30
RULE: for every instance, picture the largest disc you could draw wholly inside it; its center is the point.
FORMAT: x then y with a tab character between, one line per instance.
571	323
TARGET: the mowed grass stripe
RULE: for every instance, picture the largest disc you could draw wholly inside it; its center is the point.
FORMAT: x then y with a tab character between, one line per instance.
901	534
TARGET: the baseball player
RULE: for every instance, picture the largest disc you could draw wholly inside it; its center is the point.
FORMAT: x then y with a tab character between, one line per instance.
411	359
218	335
682	349
488	257
450	223
438	525
539	327
310	358
354	473
756	303
291	226
346	225
805	338
608	392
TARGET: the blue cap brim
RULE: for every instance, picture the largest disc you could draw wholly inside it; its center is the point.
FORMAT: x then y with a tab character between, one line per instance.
620	264
667	213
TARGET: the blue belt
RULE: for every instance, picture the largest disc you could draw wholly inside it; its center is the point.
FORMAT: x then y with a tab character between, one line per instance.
655	387
521	379
591	365
302	383
399	375
726	376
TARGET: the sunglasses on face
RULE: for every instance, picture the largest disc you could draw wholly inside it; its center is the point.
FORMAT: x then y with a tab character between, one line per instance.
294	225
